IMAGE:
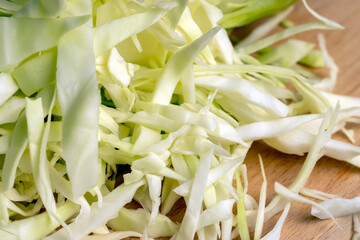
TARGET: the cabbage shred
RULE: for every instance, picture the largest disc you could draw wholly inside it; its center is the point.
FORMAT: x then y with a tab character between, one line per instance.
106	103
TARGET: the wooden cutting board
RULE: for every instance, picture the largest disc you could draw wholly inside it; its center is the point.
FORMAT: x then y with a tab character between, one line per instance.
329	175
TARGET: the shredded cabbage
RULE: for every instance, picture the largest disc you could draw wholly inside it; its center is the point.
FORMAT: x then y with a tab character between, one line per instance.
113	113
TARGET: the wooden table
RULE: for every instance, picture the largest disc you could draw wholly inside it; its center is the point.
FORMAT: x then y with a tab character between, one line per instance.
329	175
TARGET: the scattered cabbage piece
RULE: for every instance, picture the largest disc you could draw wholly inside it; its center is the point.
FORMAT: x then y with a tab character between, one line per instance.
275	233
338	207
283	191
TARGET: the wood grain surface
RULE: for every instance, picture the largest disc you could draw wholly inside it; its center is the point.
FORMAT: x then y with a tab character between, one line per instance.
329	175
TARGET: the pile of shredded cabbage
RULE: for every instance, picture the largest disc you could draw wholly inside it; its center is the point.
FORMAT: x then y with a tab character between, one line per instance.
107	102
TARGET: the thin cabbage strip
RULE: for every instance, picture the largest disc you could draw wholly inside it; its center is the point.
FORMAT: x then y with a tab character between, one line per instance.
272	128
338	207
242	222
175	14
18	144
265	42
192	213
321	18
38	136
275	233
244	89
176	66
314	100
261	209
251	11
262	30
112	33
79	99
